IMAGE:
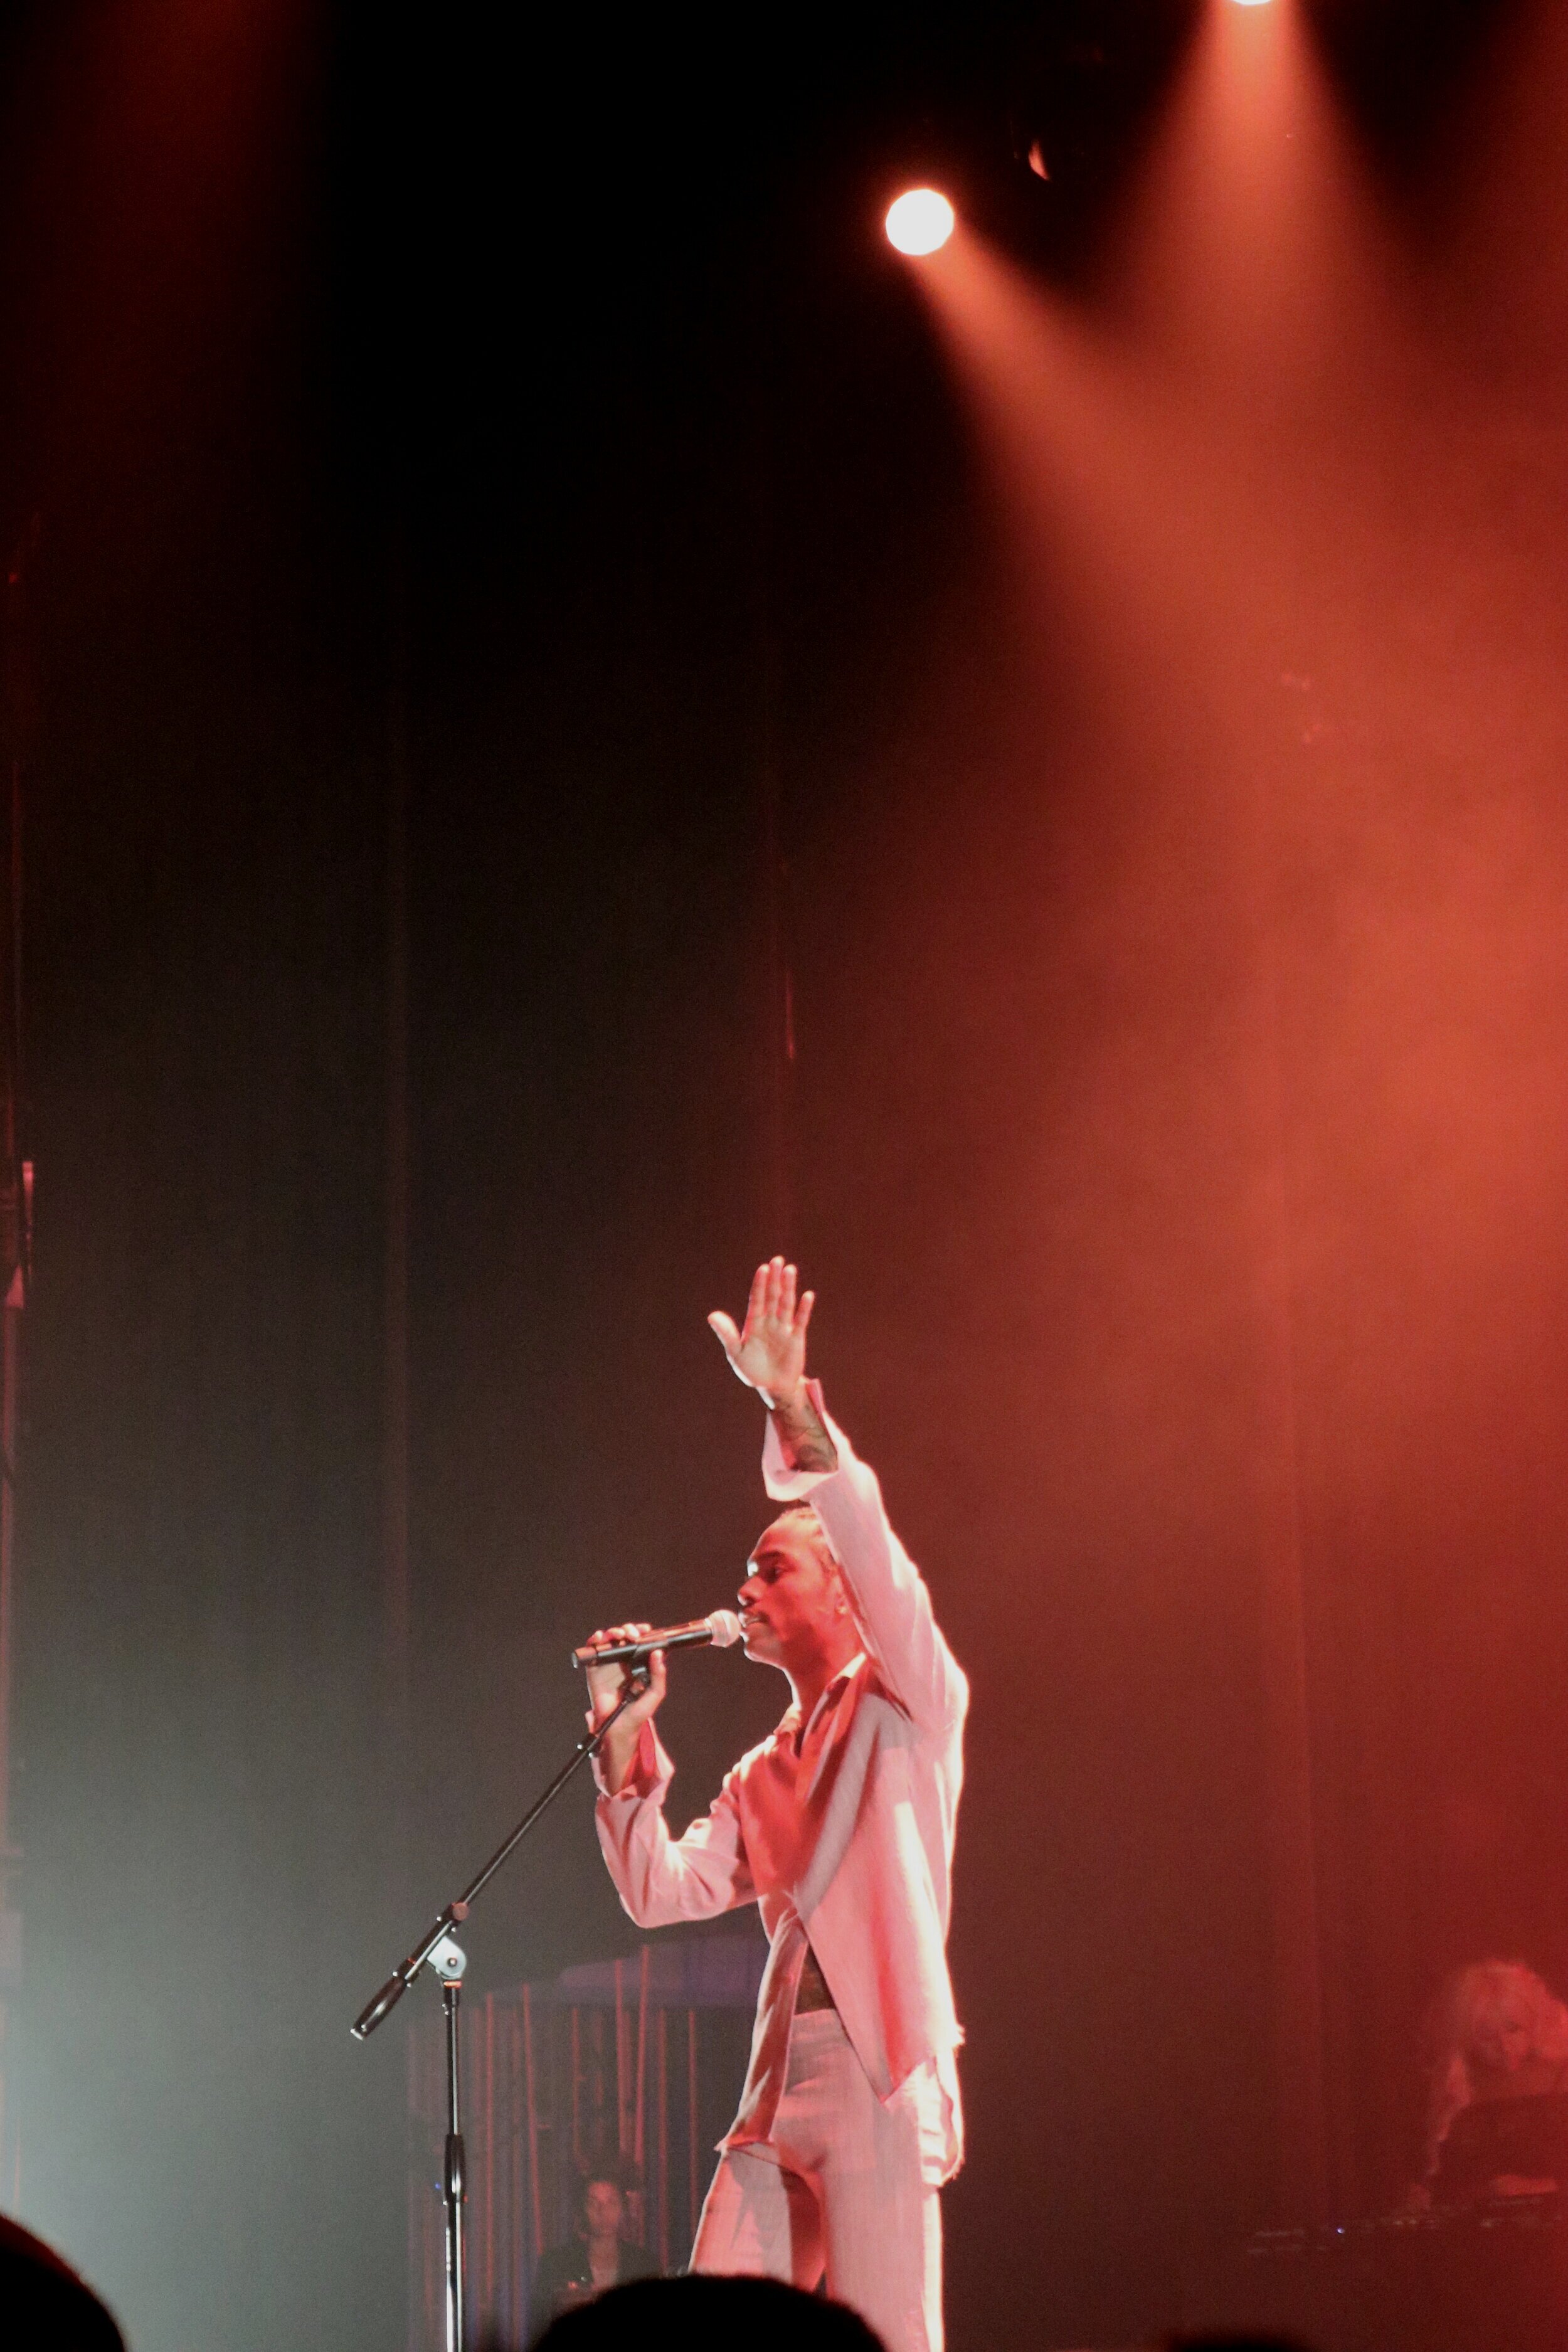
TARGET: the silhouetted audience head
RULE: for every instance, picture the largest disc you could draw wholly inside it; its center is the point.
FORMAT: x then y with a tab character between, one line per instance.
710	2314
43	2304
1234	2344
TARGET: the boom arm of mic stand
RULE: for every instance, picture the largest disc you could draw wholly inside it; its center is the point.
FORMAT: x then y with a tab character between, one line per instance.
403	1976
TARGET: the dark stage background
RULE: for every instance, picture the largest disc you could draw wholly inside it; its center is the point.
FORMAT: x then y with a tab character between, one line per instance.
503	537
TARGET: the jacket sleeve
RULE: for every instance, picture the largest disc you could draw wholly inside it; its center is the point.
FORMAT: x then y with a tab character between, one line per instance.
661	1879
887	1592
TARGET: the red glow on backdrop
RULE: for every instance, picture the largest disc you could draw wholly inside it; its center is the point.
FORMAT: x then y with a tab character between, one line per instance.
1297	535
1120	516
919	222
1252	227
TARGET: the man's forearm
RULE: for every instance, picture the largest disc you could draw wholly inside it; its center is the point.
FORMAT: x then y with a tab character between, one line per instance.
806	1444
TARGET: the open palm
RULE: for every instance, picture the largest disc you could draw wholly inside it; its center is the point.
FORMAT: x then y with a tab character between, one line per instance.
769	1353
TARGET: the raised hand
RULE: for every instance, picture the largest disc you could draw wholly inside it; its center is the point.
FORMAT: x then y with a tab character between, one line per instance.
769	1354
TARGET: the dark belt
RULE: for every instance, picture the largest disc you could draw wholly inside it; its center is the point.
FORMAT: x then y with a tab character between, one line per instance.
811	1990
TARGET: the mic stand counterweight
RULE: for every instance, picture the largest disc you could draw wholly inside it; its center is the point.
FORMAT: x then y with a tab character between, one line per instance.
439	1951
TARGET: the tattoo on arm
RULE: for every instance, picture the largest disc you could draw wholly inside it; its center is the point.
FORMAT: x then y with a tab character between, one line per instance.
807	1445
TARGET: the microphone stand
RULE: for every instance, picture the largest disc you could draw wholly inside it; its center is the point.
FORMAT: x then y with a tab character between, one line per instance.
440	1951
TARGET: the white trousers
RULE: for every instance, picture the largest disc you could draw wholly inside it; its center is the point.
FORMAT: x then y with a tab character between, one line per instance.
843	2192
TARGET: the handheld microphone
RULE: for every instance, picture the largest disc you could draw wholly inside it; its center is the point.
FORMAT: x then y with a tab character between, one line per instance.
721	1628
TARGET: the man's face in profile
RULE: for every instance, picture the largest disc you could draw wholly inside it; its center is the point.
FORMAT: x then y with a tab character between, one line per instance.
792	1599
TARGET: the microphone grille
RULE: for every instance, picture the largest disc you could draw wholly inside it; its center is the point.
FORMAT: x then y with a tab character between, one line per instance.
726	1628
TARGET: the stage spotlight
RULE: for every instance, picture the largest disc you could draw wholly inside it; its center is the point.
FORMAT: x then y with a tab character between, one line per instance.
1251	3
920	221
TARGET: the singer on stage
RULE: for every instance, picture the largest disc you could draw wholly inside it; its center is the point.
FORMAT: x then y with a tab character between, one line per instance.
841	1826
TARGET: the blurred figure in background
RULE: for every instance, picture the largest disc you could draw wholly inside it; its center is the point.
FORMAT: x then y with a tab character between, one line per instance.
598	2253
1497	2109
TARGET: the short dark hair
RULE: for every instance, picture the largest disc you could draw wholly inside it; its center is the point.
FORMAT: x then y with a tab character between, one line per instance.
618	2170
808	1511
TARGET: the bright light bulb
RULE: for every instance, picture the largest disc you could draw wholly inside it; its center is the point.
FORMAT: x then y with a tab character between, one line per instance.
919	222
